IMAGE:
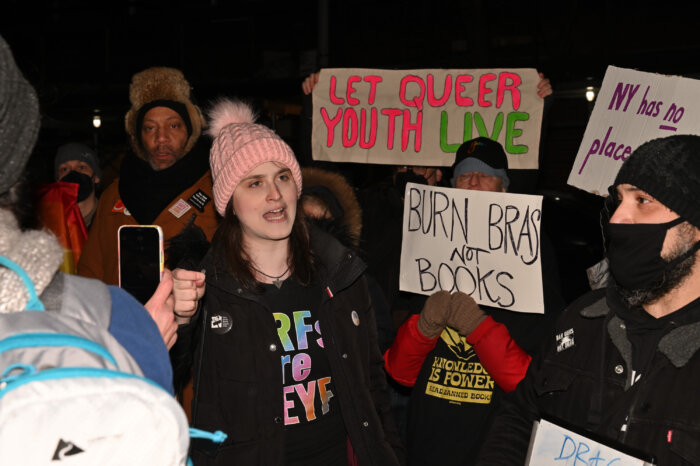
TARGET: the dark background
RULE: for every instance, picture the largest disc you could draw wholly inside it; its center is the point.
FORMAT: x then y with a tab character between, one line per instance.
80	56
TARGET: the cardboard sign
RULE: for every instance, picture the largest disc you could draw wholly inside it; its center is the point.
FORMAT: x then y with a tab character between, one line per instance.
484	244
421	117
632	107
552	445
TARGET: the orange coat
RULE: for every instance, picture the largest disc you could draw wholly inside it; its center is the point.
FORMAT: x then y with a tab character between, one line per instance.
99	258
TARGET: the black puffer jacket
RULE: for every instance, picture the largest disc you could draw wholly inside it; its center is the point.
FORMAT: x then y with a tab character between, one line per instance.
238	388
584	378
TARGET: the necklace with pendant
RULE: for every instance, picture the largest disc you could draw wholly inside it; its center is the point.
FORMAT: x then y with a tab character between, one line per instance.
275	280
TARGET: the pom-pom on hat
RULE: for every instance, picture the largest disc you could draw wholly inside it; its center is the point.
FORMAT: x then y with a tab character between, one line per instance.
239	146
669	170
482	155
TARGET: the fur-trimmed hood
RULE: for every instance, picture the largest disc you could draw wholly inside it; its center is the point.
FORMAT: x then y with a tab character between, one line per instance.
343	193
161	83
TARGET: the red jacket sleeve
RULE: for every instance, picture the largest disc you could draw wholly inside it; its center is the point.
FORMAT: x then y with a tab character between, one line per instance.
405	357
500	355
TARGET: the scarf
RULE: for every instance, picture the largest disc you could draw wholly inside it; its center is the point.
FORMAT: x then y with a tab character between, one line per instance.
147	192
37	252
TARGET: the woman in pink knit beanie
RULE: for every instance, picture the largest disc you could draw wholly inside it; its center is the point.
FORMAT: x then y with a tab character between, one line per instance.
287	363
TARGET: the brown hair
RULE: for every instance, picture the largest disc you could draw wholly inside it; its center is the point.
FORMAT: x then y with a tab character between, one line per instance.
301	259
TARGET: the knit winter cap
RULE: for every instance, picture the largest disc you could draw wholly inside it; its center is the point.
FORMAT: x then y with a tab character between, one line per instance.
239	146
77	151
482	155
19	119
164	87
669	170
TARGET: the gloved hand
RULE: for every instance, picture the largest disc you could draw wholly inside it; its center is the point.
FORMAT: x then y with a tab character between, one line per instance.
433	317
465	314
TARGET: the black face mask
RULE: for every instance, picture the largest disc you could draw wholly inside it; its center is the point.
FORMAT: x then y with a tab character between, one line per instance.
634	253
406	177
84	182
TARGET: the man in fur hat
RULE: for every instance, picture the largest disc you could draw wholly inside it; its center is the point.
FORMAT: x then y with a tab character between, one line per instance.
164	180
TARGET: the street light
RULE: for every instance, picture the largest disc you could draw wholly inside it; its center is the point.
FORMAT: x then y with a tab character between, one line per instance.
590	93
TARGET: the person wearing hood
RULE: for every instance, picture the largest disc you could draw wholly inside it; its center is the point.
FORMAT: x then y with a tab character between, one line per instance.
329	202
164	180
30	258
287	362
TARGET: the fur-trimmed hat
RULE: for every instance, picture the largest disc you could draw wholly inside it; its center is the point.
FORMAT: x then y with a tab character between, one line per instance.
482	155
669	170
239	146
164	87
321	182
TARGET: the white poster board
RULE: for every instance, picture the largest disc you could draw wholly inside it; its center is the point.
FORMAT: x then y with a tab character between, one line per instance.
552	445
484	244
420	117
632	107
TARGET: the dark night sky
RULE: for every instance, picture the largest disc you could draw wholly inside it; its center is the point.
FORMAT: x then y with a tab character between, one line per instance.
81	54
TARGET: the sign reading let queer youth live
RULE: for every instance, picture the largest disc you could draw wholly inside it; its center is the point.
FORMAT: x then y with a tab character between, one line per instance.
420	117
632	107
484	244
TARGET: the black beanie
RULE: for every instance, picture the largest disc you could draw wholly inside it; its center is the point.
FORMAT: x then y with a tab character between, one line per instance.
669	170
177	107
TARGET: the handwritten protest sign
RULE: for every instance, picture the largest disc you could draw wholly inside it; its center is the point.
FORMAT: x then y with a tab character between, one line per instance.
632	107
420	117
484	244
552	445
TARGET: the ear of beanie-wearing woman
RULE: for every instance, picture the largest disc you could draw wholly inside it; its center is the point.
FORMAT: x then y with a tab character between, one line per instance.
287	362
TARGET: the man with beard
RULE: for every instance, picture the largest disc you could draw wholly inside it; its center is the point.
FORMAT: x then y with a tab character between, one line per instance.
622	362
164	180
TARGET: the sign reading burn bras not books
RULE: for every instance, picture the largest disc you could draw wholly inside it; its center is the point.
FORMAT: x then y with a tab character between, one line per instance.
420	117
484	244
632	107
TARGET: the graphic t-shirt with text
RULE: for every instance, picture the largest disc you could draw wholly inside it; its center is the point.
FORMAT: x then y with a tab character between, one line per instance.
315	433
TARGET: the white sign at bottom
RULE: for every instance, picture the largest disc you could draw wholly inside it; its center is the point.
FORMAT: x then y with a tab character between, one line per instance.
552	445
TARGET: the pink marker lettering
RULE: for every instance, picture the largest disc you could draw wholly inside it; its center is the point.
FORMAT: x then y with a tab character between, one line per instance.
483	90
416	101
336	100
330	124
373	81
408	127
349	127
508	82
460	87
432	100
391	113
351	90
365	141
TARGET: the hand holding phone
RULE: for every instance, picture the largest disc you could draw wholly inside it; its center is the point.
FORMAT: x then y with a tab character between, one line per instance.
140	259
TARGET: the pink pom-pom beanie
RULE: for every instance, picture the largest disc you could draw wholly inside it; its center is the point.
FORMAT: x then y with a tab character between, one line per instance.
239	146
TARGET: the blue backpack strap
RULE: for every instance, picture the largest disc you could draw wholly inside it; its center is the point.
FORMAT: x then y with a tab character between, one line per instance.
34	303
